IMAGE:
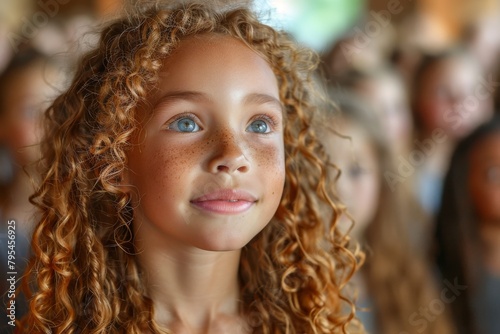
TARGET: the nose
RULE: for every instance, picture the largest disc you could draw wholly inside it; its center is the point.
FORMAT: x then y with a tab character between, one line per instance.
228	155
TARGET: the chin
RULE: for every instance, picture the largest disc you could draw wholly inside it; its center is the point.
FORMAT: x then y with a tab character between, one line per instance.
223	243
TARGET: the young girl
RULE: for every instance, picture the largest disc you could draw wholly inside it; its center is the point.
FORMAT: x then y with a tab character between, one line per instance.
395	282
468	230
183	186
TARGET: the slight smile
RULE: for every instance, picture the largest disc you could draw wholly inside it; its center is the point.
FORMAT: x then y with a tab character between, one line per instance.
225	201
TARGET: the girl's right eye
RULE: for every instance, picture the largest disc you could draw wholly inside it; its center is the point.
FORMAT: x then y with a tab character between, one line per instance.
184	124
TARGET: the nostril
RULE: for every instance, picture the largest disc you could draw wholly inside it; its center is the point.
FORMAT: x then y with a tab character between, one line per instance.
243	169
238	166
222	168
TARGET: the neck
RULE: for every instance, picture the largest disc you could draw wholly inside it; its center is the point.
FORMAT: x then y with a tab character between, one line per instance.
190	288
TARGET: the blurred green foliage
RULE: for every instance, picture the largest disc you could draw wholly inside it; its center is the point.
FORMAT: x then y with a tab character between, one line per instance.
315	23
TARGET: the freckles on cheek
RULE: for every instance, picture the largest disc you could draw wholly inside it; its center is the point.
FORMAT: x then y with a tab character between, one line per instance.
161	175
270	161
169	165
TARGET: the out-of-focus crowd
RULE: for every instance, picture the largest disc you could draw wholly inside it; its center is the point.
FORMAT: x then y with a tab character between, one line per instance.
416	85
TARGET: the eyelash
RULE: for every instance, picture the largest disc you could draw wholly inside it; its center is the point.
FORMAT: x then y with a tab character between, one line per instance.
184	115
270	119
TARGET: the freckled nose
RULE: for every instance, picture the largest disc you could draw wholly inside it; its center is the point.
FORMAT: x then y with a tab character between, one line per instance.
228	155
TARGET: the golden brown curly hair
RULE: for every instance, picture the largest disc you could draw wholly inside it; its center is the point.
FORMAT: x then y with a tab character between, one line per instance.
85	277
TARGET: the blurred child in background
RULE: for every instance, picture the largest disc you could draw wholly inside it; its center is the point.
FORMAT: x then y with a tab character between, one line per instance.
450	98
468	230
385	91
395	281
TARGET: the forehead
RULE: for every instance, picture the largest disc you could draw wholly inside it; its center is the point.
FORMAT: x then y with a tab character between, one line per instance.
216	64
207	51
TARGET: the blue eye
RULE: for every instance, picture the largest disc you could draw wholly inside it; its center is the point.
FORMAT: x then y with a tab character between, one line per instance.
184	124
258	126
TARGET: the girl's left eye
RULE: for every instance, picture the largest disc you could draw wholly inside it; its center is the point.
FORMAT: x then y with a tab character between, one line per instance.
259	126
184	124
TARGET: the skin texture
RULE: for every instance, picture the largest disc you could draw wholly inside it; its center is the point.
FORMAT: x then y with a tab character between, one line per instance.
359	183
222	90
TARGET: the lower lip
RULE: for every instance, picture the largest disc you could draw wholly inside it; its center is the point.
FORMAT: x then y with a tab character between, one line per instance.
224	207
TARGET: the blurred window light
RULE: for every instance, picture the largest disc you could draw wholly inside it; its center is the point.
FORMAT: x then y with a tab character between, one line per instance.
315	23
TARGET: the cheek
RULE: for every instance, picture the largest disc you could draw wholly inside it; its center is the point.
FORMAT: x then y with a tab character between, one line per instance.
487	202
434	109
269	164
432	106
161	169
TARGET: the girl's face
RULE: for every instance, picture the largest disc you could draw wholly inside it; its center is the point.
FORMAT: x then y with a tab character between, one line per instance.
449	100
207	167
484	179
359	184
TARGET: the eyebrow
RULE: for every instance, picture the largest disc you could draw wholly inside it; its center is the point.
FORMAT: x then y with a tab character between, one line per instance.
183	95
258	98
194	96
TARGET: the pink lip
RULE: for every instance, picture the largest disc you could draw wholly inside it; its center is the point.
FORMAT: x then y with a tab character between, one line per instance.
225	201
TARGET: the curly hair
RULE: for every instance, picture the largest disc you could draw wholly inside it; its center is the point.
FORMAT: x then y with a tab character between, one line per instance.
85	277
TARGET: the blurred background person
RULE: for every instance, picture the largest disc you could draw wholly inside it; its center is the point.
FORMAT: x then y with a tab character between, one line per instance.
43	40
357	51
385	91
468	230
26	88
450	98
395	280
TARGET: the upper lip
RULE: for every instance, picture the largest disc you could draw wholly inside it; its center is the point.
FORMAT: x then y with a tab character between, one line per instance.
226	195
